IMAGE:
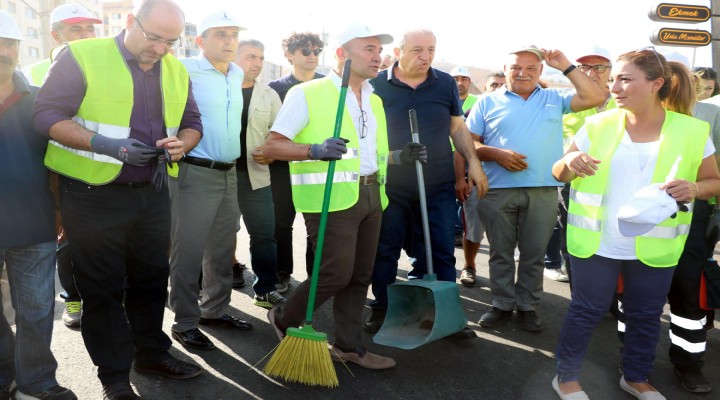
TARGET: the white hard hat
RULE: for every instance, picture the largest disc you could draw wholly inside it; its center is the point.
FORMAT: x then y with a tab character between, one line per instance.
648	207
356	30
459	71
594	51
9	29
216	20
72	14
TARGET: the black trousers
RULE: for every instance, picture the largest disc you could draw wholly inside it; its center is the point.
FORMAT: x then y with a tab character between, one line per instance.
120	238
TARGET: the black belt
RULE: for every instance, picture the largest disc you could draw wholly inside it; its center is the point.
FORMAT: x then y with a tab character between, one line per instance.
204	162
131	185
368	179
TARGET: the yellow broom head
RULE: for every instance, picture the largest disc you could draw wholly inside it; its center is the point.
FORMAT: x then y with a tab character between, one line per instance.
303	356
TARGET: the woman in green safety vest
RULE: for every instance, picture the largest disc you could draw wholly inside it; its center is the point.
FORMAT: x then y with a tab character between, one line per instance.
649	139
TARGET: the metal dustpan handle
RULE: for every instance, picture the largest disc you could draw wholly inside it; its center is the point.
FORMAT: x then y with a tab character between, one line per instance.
423	201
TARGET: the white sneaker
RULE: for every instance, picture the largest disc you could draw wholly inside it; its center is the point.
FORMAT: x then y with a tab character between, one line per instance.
72	314
556	274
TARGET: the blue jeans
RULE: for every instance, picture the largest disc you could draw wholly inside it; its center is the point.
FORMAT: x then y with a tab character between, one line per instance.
258	212
27	358
594	284
403	210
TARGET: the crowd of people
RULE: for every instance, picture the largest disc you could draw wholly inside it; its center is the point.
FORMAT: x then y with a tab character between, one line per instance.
129	170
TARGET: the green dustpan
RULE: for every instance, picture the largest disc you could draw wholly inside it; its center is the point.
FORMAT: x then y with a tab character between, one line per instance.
421	310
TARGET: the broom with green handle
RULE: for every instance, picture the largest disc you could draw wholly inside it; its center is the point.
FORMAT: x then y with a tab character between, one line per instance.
303	355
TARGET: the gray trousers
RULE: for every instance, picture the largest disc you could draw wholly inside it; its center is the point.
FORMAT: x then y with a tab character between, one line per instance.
351	239
204	212
524	217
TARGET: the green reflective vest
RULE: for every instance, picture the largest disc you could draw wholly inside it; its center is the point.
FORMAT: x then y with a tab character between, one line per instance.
683	140
308	177
37	72
107	106
470	101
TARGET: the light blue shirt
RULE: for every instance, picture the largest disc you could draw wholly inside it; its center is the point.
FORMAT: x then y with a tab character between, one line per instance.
220	101
532	127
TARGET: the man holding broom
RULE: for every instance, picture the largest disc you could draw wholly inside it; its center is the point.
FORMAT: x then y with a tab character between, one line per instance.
302	133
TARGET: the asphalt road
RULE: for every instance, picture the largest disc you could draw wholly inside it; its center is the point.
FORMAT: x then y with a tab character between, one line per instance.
502	363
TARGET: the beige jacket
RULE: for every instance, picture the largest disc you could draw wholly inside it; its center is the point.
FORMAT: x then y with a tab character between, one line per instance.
264	106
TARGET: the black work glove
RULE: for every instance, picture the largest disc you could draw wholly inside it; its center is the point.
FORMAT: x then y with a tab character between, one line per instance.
129	151
413	151
160	176
330	149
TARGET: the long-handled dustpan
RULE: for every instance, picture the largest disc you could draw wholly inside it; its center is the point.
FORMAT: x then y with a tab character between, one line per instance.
421	310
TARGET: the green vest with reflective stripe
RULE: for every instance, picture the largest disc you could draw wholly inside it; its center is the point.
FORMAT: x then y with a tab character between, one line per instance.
470	101
37	72
308	177
107	106
683	141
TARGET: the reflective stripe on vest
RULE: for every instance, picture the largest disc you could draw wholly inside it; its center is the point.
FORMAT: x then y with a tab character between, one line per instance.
308	177
682	143
107	106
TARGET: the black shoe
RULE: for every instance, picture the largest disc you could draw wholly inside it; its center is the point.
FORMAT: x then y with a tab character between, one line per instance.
238	280
375	321
494	317
226	321
693	380
193	339
56	392
529	321
6	391
169	367
119	391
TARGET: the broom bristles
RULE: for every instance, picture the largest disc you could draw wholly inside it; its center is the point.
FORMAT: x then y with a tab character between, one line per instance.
301	359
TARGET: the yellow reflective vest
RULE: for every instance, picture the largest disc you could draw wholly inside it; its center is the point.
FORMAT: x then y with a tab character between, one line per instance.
683	140
107	106
308	177
37	72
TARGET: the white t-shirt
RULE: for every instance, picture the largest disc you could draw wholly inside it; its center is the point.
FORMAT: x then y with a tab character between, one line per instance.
631	168
293	118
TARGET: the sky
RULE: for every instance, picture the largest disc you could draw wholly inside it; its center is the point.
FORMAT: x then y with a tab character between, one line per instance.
471	33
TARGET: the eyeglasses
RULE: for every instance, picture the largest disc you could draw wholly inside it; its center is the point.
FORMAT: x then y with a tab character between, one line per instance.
306	52
599	69
657	57
363	120
154	39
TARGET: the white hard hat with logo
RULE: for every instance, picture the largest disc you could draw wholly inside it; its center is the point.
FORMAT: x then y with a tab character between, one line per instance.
72	14
460	71
9	29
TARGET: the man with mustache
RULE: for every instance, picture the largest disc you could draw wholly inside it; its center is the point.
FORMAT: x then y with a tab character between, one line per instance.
521	127
116	109
27	235
203	195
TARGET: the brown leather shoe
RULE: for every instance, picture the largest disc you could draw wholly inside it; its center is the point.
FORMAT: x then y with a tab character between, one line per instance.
169	367
367	360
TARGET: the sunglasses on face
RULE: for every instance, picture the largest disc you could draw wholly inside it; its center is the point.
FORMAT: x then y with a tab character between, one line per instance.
307	52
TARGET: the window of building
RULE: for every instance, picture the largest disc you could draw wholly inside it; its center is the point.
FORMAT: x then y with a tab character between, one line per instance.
116	16
34	52
11	7
30	13
32	33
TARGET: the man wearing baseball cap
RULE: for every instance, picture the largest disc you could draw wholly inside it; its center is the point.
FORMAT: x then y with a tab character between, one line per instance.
27	236
203	193
464	81
302	133
68	22
520	125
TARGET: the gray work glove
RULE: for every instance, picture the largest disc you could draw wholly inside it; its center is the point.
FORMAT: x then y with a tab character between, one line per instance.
129	151
330	149
413	151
